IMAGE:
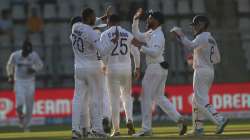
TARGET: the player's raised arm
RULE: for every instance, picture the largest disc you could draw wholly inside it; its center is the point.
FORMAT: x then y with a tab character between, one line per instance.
183	39
107	13
10	67
199	25
186	42
135	26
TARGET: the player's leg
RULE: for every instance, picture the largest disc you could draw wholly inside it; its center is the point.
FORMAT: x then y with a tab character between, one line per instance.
20	100
29	102
84	117
106	105
126	96
76	107
203	79
94	86
149	86
165	104
127	101
197	119
115	92
202	83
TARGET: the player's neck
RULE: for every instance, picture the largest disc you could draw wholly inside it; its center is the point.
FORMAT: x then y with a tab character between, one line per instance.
87	23
113	25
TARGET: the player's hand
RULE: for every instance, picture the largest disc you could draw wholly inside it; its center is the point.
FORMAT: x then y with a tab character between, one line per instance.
108	11
30	71
11	79
138	43
104	70
137	73
177	32
139	13
190	59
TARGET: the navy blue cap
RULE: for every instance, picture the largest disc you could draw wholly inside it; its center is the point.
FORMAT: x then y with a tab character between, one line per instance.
200	19
157	15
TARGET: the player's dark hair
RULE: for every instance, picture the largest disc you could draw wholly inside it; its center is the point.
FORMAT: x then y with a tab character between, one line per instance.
86	13
157	15
27	43
26	48
114	18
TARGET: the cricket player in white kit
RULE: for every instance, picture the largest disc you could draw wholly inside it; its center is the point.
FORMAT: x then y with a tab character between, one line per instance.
85	43
118	64
85	123
153	83
22	66
106	109
205	55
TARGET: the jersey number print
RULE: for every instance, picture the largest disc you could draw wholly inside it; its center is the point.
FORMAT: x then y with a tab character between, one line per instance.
123	48
211	54
78	43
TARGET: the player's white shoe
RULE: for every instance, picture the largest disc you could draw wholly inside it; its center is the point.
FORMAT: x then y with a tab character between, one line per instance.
115	134
221	126
143	133
196	132
76	135
182	125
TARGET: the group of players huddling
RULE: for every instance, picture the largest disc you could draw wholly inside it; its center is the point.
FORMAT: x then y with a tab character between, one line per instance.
92	101
103	74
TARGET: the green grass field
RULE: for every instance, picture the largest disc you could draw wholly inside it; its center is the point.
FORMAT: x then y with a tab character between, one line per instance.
234	131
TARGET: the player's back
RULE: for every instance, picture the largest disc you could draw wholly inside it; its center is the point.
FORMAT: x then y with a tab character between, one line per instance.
84	51
207	54
120	55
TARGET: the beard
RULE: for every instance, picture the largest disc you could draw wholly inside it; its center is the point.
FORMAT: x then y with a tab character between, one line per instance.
26	52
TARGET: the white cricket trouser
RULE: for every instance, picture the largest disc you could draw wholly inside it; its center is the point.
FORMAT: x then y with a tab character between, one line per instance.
25	90
84	120
106	98
89	77
202	81
119	82
153	85
84	104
